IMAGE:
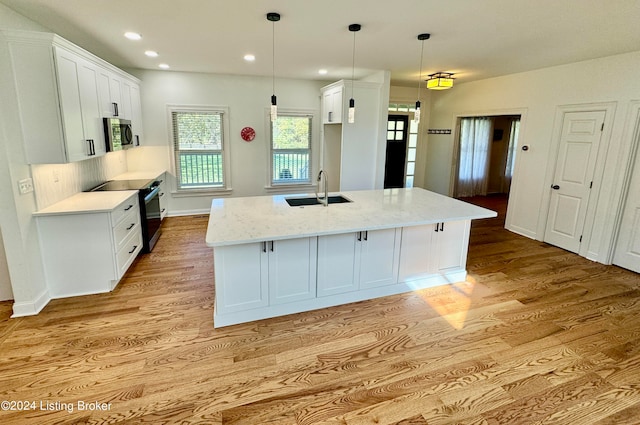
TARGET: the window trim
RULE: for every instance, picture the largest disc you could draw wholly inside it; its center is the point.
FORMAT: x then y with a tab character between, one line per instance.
298	185
226	148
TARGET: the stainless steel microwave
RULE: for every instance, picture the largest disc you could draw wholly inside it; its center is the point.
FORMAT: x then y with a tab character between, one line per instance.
117	134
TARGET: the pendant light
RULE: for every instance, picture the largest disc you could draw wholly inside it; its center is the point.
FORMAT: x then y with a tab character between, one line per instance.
440	81
273	17
422	38
354	28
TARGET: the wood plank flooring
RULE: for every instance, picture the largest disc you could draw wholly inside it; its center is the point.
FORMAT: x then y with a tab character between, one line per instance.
536	335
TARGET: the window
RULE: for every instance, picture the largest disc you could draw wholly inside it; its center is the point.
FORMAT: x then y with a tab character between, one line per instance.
291	149
199	148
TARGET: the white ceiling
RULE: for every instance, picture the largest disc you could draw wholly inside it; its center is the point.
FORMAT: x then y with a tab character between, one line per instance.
475	39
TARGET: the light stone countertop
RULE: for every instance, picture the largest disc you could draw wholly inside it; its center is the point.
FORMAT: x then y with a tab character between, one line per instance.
87	203
264	218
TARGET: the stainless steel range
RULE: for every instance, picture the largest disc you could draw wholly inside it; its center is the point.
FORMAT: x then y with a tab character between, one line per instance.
149	201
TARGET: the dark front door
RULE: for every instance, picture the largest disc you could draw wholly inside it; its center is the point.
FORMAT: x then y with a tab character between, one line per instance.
397	131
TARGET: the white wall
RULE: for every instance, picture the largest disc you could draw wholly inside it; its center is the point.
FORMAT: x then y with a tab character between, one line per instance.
539	94
19	233
247	99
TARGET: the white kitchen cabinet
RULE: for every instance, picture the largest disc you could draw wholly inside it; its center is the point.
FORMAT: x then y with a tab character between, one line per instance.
242	277
249	276
79	105
351	150
163	195
433	249
89	252
379	257
352	261
136	114
292	269
332	103
61	95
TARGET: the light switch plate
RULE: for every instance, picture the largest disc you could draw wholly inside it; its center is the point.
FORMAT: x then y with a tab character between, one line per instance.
25	186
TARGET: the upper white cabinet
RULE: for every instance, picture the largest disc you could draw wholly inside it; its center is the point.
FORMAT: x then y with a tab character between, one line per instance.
63	93
136	114
332	103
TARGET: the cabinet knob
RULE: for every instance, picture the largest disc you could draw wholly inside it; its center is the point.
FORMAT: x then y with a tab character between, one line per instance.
555	187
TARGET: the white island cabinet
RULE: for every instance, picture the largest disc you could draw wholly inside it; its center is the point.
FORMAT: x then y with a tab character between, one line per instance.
272	259
88	241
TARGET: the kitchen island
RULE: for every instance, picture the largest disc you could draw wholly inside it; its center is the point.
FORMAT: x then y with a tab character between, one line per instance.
273	259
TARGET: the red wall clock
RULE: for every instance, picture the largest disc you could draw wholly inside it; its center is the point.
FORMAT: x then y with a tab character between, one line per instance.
247	134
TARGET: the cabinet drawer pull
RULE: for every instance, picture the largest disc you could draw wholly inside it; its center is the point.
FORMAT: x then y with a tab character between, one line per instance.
128	208
133	250
359	236
131	227
271	246
264	247
115	109
366	235
442	226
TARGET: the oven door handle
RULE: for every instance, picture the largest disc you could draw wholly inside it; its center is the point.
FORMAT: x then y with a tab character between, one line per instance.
152	194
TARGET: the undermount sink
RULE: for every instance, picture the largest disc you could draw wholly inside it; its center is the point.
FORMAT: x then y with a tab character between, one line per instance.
300	202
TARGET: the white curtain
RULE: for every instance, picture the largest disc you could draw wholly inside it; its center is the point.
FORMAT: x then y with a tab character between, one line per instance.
511	152
473	172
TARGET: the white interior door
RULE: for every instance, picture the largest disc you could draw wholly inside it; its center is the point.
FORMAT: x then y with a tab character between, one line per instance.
627	249
573	178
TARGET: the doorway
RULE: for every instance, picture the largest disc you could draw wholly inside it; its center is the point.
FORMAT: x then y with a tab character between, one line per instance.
485	158
579	144
396	153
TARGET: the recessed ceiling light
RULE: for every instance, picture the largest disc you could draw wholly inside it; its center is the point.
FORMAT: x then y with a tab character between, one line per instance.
249	58
322	71
133	36
151	53
163	66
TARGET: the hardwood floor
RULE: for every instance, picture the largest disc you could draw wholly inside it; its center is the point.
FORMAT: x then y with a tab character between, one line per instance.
536	335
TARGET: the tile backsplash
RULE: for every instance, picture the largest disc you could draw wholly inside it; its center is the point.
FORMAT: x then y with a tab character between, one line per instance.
55	182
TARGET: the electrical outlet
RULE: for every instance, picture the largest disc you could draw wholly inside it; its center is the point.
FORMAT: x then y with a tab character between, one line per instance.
25	186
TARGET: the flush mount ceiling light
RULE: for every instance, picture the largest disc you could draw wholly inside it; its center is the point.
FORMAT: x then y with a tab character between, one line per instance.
422	38
151	53
133	35
249	57
273	17
163	66
354	28
440	81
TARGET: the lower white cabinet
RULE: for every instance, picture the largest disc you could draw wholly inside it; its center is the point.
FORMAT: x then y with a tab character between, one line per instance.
259	274
163	196
267	279
88	253
351	261
433	249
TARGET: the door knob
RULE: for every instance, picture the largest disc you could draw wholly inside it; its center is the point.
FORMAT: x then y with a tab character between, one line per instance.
555	187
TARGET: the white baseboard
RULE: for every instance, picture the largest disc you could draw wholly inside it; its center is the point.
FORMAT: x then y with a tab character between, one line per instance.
31	308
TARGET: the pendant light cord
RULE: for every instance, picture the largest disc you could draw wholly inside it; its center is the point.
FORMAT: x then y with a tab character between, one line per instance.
353	63
420	75
273	57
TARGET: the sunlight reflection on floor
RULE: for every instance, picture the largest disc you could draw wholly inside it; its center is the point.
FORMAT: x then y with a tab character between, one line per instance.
453	301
